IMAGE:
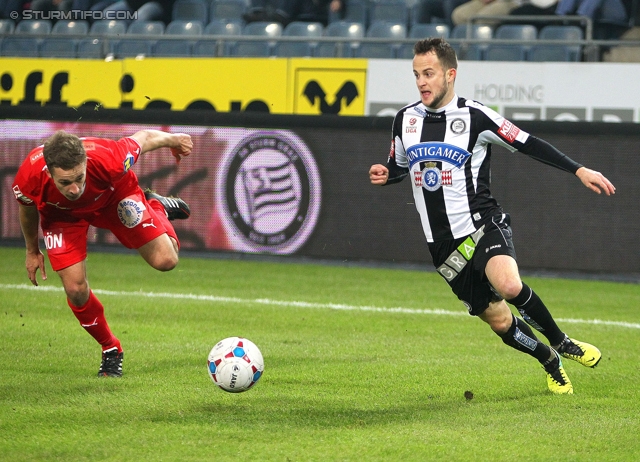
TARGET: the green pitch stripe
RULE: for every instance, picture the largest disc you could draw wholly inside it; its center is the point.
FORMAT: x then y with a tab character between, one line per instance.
301	304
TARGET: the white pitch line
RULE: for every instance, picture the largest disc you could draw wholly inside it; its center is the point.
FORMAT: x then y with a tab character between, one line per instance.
301	304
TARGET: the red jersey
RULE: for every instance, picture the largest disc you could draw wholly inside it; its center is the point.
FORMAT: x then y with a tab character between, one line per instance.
108	166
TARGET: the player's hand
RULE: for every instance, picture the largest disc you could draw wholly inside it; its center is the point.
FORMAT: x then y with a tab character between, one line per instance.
595	181
35	262
184	148
378	174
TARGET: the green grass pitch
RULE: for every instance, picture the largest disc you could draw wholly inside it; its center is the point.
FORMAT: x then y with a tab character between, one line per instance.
361	364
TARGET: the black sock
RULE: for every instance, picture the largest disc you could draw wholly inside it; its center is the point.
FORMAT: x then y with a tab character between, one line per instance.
534	311
521	337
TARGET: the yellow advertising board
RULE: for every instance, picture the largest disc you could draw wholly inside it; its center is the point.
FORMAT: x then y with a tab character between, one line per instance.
275	85
70	82
328	86
221	84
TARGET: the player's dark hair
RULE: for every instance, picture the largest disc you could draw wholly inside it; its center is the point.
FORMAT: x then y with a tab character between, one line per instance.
63	150
443	50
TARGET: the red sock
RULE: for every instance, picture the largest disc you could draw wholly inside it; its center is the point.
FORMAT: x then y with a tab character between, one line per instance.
91	317
162	216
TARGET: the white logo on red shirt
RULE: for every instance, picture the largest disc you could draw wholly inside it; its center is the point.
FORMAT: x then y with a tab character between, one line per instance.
53	241
36	157
21	197
131	212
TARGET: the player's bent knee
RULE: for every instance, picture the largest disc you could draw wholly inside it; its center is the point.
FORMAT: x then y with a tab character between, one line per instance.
501	326
78	295
509	289
166	263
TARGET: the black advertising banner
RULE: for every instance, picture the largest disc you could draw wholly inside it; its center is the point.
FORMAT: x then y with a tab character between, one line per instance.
290	186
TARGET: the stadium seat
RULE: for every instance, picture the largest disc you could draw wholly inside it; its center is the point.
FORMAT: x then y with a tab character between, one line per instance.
108	27
68	27
190	10
178	47
395	11
382	29
541	52
7	26
33	27
473	51
341	49
58	47
180	27
91	48
515	52
355	11
230	10
261	47
420	31
131	48
218	47
301	29
224	27
146	28
20	46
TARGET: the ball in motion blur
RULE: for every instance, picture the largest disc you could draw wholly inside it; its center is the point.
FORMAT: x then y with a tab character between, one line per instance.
235	364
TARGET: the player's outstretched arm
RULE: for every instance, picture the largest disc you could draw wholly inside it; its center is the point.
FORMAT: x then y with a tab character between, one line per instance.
179	143
29	221
595	181
378	174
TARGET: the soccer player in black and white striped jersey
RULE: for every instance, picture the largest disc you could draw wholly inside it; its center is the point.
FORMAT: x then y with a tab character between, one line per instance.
442	142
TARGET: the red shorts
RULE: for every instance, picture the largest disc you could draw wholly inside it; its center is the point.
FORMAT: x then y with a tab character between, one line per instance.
128	216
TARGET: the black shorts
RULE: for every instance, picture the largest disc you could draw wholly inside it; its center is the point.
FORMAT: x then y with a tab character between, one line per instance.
462	262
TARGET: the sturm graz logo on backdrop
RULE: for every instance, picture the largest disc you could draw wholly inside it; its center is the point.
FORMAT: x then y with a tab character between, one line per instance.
270	191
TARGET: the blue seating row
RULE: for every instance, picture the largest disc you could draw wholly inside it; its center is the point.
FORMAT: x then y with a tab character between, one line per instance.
383	39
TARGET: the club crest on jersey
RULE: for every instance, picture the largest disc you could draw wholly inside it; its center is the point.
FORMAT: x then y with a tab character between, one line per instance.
458	126
130	212
129	161
431	177
437	151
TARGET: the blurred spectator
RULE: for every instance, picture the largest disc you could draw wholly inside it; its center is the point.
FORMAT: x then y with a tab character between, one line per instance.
286	11
8	6
437	11
610	17
91	5
145	10
466	11
48	6
536	8
612	10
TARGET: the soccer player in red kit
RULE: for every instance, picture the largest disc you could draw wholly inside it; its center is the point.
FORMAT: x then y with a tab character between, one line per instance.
70	183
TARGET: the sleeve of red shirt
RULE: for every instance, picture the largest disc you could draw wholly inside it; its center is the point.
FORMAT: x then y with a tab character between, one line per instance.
27	183
117	157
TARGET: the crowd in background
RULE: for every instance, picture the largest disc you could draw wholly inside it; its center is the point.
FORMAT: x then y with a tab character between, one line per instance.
614	16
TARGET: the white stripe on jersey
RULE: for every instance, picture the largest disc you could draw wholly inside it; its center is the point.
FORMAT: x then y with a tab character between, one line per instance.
445	169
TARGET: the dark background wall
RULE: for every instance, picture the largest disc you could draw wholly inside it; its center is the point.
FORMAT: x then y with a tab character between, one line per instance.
558	223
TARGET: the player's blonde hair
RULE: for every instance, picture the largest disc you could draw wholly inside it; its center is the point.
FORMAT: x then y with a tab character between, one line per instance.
63	150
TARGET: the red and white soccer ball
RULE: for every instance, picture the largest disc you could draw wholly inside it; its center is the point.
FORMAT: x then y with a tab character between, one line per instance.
235	364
